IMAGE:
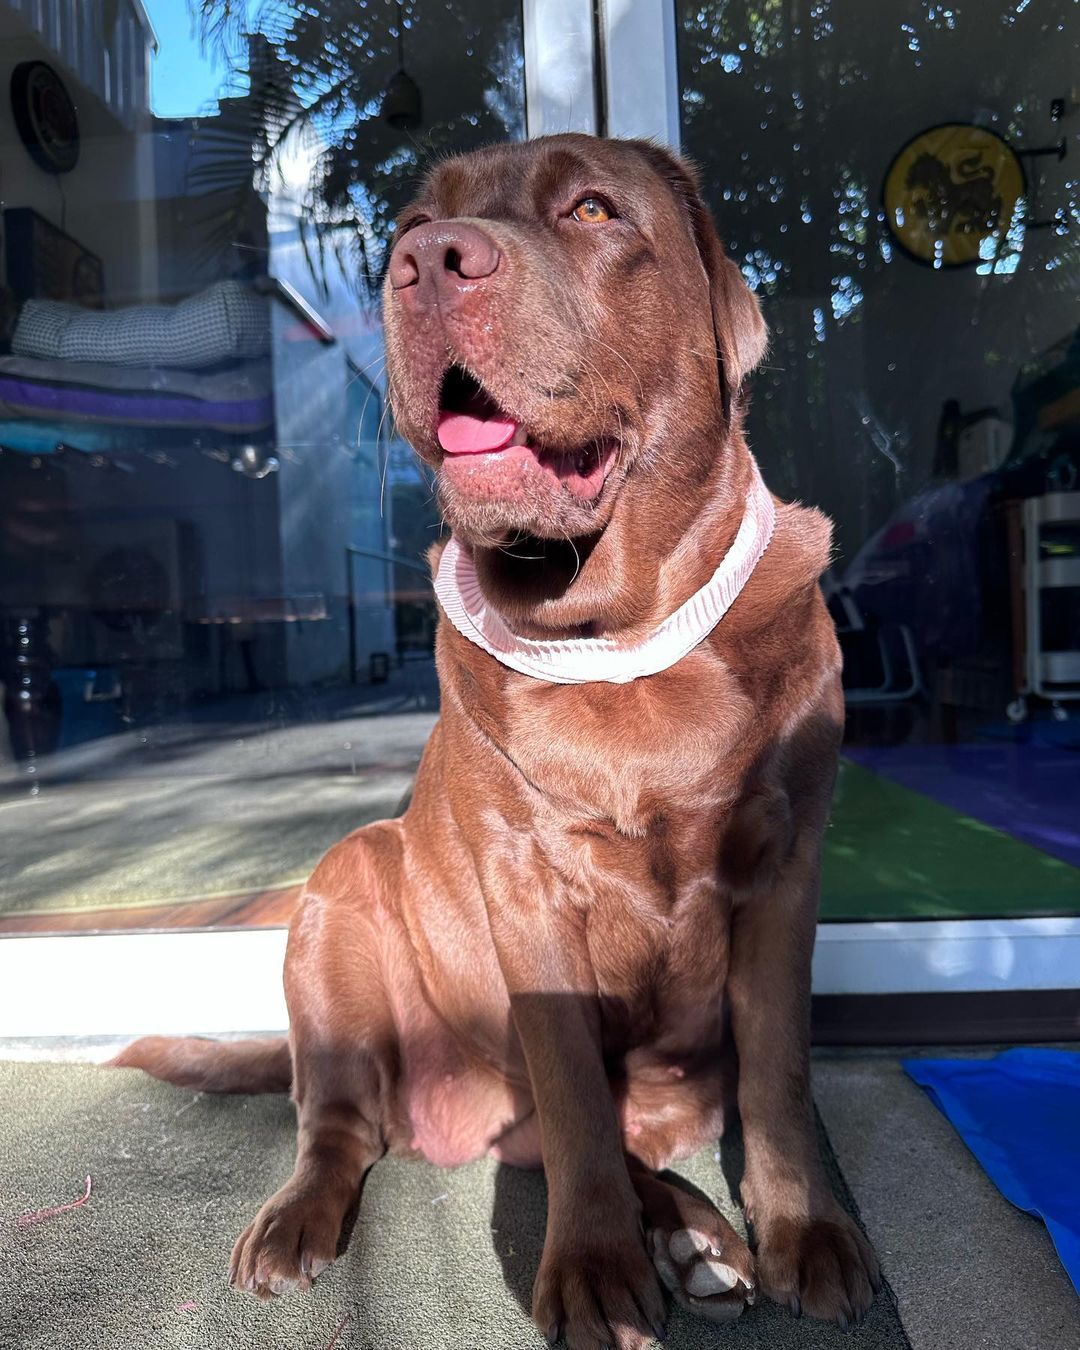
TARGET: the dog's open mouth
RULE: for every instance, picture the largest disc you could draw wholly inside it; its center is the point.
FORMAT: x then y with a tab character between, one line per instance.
480	440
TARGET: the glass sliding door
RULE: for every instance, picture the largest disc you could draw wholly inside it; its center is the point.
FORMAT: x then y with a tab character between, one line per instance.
900	189
216	622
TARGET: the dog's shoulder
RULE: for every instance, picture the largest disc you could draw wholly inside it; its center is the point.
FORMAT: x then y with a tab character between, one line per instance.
801	547
783	588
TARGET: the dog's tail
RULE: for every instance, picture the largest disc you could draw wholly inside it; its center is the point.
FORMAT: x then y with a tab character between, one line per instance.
211	1066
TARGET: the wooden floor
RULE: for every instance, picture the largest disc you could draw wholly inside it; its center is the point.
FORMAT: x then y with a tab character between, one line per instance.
249	909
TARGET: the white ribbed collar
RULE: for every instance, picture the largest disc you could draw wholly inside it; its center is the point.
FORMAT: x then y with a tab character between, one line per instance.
586	660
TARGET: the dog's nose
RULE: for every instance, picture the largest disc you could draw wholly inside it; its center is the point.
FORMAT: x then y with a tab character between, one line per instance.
442	261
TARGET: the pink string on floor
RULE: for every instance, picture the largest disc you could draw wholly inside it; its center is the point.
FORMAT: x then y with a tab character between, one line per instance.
340	1328
40	1215
189	1306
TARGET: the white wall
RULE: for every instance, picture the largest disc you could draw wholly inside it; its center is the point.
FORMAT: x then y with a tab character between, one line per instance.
105	201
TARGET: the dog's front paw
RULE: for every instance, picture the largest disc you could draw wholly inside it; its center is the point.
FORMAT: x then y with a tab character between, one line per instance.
599	1292
292	1239
821	1266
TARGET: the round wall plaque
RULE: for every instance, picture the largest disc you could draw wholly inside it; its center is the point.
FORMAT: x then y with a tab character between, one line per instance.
45	116
952	193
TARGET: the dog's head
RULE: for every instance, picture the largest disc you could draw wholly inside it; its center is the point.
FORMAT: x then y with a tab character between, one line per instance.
561	317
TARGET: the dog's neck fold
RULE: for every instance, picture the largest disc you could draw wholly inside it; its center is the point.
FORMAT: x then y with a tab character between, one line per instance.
585	660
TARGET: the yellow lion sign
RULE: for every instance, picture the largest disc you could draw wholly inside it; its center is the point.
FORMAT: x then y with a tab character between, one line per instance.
949	191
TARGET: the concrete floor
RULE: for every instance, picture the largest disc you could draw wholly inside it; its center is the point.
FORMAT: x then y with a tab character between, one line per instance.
968	1269
970	1272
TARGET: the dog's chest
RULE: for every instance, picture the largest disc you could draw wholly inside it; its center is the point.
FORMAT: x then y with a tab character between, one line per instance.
634	752
657	914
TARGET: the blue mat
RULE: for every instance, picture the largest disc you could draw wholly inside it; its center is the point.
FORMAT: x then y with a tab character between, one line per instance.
1019	1113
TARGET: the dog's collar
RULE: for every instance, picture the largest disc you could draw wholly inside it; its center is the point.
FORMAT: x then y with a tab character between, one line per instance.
588	660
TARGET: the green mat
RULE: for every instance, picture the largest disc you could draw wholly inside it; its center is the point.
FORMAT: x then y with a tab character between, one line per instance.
437	1260
891	853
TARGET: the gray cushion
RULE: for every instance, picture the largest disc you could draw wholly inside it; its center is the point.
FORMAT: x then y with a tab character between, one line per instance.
225	322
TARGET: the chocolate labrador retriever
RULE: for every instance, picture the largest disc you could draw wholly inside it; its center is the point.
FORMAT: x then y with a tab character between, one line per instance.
588	939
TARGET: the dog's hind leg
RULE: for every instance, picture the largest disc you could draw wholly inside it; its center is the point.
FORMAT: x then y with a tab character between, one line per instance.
297	1232
345	1057
698	1255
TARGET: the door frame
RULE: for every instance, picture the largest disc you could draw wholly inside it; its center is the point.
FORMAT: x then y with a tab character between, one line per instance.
118	984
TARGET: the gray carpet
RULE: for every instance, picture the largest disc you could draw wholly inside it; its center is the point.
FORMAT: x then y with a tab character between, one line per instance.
437	1260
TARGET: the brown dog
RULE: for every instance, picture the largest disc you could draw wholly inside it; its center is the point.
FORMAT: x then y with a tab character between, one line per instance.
599	890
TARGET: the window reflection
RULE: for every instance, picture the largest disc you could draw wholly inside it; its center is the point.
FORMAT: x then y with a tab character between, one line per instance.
216	624
922	387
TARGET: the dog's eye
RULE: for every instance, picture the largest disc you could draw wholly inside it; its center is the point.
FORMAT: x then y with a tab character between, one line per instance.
591	211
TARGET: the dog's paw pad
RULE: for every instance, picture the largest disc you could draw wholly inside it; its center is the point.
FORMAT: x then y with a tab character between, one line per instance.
692	1266
685	1243
711	1277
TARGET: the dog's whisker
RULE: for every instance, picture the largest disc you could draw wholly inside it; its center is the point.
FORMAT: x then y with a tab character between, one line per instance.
607	347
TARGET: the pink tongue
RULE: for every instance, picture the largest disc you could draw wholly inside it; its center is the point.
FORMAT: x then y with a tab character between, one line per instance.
465	434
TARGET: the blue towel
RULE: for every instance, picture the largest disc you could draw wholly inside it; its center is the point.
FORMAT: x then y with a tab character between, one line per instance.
1019	1113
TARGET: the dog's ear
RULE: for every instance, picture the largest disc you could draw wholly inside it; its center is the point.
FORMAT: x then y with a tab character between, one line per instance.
741	335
